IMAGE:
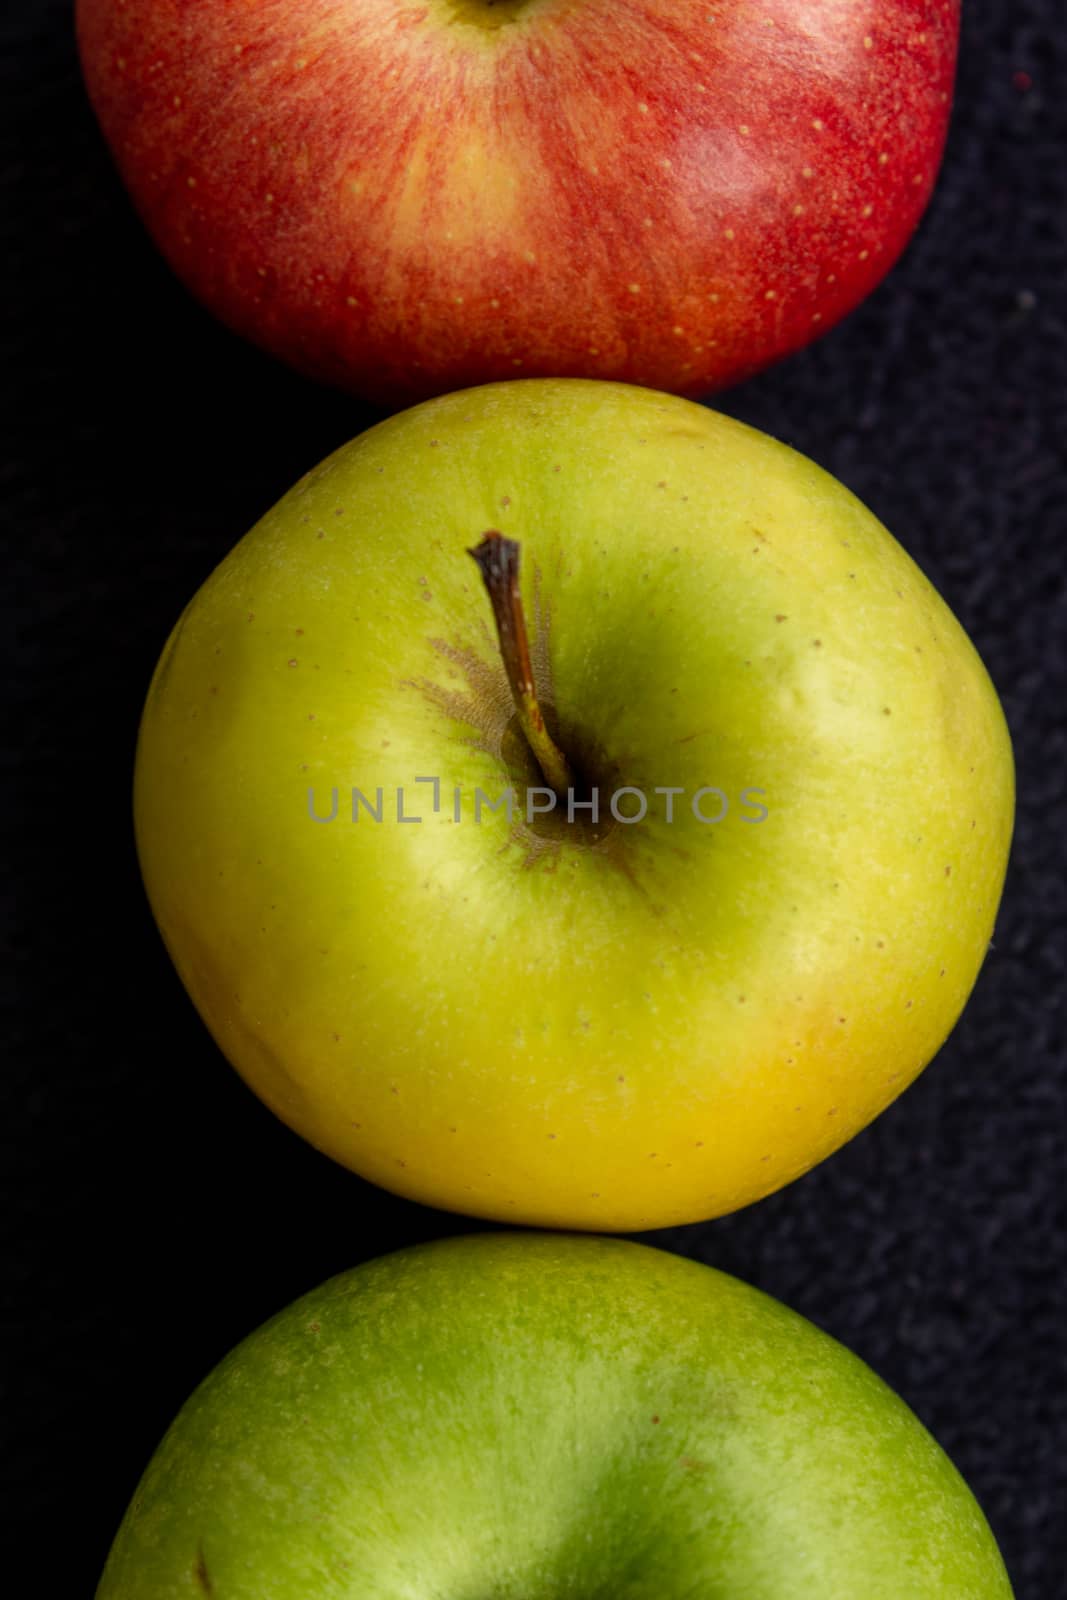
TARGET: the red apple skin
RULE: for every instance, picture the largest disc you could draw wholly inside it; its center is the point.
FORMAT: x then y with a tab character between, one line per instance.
405	197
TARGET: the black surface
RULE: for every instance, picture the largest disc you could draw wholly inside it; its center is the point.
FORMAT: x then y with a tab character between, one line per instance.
154	1212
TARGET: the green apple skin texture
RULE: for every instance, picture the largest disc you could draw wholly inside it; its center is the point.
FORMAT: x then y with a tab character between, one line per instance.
661	1028
530	1417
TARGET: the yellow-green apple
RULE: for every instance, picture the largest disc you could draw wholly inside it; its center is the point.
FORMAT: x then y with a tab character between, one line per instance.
652	1018
531	1416
409	196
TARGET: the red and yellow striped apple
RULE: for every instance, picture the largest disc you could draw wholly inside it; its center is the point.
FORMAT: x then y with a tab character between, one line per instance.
409	196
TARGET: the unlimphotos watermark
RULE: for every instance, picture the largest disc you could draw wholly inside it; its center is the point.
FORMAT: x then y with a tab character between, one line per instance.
628	804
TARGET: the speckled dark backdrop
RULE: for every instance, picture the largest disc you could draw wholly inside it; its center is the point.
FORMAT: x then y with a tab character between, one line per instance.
153	1211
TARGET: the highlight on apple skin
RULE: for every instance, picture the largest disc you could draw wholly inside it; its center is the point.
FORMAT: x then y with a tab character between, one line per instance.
406	199
652	1019
520	1416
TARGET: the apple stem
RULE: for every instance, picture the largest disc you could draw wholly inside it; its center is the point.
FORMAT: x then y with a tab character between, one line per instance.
497	559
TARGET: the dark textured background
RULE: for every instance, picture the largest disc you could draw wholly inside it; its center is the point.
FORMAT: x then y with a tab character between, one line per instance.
154	1212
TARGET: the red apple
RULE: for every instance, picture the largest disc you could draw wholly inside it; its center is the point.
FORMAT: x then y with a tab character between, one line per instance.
405	197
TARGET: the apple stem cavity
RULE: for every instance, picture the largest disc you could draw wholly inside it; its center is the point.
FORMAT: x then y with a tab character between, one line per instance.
497	559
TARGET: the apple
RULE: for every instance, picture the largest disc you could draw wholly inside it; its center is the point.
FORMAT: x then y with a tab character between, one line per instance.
647	1019
523	1416
409	198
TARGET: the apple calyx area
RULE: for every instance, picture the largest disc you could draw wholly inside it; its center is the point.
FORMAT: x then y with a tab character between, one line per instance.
497	559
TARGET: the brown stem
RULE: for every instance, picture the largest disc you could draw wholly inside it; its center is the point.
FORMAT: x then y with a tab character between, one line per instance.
497	558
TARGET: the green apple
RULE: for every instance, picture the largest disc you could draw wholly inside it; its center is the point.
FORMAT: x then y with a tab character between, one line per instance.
529	1417
654	1018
